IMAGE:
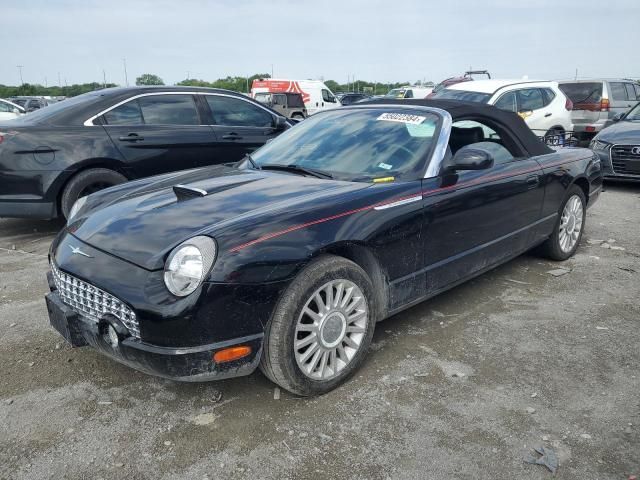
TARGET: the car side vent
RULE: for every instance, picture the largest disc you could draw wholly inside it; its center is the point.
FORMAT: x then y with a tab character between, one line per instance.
183	192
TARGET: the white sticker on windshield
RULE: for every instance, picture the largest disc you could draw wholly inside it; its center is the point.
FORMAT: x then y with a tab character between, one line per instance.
386	166
402	118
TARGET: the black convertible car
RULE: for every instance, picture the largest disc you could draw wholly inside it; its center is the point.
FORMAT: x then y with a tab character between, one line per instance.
52	157
287	260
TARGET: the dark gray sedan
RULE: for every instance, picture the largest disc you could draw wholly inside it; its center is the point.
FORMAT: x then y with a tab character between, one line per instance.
619	146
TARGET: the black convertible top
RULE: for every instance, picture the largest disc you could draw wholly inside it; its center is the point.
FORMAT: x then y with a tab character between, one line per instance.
460	110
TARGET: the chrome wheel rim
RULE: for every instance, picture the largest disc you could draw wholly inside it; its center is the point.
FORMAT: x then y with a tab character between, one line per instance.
571	224
330	329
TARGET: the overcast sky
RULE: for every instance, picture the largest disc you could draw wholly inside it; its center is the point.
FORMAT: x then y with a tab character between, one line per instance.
381	41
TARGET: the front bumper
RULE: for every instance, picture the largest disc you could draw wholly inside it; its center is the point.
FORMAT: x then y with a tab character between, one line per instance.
190	364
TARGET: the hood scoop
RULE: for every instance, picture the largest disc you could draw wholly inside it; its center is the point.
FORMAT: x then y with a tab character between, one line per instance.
183	192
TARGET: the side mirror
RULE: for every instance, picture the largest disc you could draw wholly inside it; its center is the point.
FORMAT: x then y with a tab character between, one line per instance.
280	123
619	116
470	159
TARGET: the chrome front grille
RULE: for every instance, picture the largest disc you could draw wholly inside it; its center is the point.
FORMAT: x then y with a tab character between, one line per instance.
624	161
91	302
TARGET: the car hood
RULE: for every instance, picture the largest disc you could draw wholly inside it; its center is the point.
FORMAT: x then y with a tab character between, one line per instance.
142	221
621	132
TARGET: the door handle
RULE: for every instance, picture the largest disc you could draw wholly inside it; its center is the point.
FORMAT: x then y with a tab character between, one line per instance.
232	136
132	137
548	115
532	181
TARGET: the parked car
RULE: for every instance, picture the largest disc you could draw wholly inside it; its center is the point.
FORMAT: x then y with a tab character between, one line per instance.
9	110
31	104
287	260
315	94
467	77
618	146
596	102
541	104
410	91
349	98
52	157
290	105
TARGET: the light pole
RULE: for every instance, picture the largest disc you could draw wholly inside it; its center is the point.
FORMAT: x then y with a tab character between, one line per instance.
126	79
20	70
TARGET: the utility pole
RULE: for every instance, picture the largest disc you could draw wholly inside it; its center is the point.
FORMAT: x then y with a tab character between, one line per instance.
45	82
126	79
20	70
247	84
104	79
576	74
188	74
59	82
272	70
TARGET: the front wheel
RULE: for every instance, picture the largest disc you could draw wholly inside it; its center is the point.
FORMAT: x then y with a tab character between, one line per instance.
567	232
321	328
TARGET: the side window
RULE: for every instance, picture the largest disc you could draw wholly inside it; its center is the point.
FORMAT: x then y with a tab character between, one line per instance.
547	96
631	95
126	114
234	112
280	100
618	92
637	88
471	133
327	97
408	94
169	110
5	107
529	99
507	102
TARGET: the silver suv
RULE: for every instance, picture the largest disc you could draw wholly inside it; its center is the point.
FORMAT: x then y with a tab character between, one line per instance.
596	102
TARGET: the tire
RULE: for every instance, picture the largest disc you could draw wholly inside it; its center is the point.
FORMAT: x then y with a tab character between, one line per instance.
555	247
86	183
334	333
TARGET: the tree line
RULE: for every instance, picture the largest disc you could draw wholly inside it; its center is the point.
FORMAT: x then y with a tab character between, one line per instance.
235	83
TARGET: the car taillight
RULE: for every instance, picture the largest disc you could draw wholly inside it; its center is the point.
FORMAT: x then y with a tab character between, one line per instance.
568	104
604	105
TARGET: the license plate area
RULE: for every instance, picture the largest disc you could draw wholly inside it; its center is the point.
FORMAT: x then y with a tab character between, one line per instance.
65	321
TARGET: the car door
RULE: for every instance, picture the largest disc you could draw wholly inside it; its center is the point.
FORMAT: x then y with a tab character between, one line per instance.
477	219
8	111
622	97
240	125
537	113
160	133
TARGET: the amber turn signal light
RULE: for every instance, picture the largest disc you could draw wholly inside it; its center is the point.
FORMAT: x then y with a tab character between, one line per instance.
231	353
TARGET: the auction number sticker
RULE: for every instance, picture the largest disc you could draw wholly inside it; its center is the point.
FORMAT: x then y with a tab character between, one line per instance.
402	118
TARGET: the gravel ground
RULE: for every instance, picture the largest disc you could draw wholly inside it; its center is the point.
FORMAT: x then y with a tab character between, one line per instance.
462	386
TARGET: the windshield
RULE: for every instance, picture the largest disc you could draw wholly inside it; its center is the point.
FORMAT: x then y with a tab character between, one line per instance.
464	95
263	97
373	144
54	108
582	92
634	114
395	93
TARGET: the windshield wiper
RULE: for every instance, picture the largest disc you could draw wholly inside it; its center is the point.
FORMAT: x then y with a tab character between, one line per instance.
298	169
252	162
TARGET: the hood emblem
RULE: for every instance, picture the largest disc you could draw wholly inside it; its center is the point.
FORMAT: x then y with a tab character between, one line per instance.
635	150
77	251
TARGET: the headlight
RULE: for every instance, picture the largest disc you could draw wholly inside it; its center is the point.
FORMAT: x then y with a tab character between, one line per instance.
76	207
599	145
188	264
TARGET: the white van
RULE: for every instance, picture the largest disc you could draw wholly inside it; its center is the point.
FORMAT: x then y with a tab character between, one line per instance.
409	91
315	94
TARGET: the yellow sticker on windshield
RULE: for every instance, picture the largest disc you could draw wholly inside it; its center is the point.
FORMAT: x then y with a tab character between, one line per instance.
383	179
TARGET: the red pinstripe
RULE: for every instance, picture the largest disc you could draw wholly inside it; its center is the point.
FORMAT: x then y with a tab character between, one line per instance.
371	207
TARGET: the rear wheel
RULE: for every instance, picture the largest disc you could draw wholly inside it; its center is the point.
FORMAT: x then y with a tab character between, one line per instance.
567	232
321	328
85	183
